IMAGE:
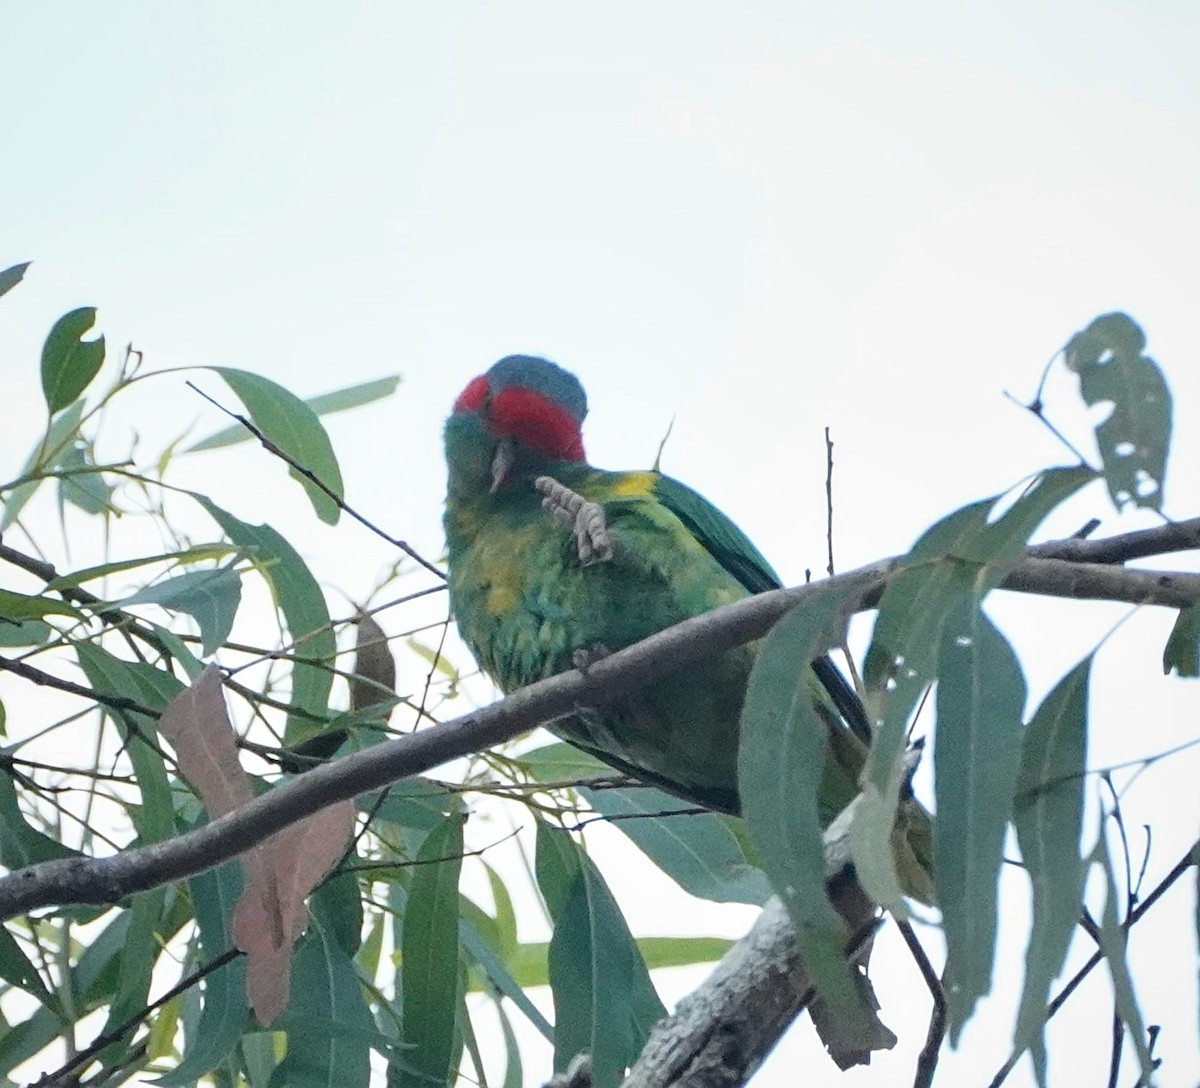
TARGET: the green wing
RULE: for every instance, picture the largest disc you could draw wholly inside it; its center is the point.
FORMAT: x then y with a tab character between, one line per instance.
738	555
719	535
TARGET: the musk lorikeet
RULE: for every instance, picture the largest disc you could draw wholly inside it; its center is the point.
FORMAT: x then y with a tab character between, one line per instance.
530	603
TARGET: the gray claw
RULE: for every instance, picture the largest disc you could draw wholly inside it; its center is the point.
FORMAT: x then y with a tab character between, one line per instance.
585	519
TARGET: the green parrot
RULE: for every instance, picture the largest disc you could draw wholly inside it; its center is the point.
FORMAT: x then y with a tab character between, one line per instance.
532	598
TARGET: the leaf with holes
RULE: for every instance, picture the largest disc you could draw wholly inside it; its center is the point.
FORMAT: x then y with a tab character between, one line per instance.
1135	436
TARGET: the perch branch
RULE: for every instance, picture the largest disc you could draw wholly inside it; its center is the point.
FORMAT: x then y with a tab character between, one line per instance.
105	880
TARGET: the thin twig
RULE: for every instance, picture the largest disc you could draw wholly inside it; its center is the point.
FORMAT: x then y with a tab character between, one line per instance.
320	484
1189	859
829	501
81	1059
927	1062
47	680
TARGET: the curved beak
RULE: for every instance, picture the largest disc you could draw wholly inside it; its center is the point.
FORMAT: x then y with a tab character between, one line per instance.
502	463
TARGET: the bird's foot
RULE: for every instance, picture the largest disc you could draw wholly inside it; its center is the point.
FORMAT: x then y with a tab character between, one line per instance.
585	519
583	659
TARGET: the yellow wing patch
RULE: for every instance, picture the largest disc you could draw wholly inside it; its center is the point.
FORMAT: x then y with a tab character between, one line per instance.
633	485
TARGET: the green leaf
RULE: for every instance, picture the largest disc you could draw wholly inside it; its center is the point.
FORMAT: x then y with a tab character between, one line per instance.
506	915
196	554
69	363
291	425
17	970
225	1011
178	649
10	277
337	905
210	597
23	633
1135	436
1005	537
528	964
781	767
604	1001
429	960
963	554
20	843
21	606
977	752
154	818
513	1073
557	865
45	454
329	1027
511	985
1182	651
354	396
144	943
415	804
1048	816
562	762
901	663
1113	940
698	850
299	597
86	488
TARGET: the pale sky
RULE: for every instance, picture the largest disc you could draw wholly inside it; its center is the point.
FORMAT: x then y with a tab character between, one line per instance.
755	219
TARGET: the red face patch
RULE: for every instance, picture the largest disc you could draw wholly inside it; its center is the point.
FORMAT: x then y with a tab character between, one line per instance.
471	399
536	421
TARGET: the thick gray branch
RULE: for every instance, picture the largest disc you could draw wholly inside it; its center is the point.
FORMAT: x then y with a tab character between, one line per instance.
105	880
721	1032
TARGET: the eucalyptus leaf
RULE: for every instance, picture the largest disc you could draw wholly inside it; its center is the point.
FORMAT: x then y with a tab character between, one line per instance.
977	752
69	363
781	770
329	1028
44	456
604	1001
341	400
1048	816
1182	651
429	959
293	427
210	597
225	1013
1135	436
11	276
303	605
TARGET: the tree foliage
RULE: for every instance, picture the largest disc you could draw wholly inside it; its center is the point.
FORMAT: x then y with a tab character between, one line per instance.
149	705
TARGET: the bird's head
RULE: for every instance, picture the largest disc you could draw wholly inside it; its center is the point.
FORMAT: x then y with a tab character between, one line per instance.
520	416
